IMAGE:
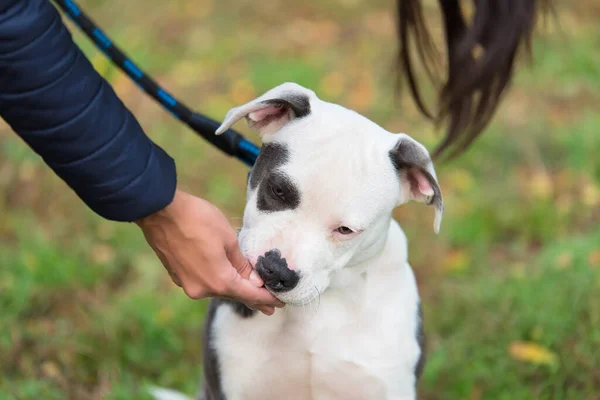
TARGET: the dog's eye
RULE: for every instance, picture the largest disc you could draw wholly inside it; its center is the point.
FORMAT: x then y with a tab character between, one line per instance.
277	192
344	230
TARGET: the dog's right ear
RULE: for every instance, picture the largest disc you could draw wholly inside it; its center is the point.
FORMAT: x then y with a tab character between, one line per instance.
271	111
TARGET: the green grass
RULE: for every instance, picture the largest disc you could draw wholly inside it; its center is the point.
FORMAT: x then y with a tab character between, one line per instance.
87	312
479	315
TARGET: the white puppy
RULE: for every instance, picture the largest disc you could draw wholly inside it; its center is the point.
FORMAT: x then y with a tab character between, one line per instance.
318	228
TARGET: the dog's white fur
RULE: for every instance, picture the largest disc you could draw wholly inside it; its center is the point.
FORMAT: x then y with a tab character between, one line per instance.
357	342
349	330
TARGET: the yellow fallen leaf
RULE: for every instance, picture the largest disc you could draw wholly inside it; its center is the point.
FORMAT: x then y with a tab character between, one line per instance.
50	369
102	254
456	260
532	353
541	185
594	258
564	260
591	195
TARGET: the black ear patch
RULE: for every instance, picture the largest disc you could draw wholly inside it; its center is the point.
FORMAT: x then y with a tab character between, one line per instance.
299	104
407	154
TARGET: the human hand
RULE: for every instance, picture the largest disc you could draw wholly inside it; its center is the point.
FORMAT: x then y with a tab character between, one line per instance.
199	248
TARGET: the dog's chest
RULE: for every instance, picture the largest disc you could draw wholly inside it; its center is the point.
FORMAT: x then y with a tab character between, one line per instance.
338	349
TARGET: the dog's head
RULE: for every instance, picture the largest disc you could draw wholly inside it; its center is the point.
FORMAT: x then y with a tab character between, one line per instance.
321	194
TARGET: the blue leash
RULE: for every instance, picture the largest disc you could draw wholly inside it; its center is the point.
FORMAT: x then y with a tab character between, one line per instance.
230	142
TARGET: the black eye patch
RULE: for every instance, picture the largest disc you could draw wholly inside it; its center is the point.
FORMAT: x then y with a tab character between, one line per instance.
277	192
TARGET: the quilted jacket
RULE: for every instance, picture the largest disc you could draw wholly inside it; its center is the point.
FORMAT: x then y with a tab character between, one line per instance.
54	99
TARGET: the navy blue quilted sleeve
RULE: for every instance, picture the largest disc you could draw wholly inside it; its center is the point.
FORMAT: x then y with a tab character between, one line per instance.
53	98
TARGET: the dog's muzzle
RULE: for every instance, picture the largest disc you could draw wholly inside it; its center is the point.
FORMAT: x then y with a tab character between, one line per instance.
274	271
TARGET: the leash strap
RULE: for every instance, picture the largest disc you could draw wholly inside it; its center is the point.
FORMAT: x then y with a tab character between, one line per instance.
230	142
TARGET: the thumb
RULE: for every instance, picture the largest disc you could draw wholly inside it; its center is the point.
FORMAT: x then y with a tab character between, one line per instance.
244	291
242	265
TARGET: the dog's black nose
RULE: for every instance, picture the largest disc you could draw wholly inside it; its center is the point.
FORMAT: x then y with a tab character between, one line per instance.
273	269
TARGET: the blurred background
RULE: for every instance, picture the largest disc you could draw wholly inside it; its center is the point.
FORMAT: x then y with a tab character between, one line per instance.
510	287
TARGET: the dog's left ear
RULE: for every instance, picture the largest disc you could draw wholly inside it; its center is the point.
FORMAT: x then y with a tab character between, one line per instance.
271	111
417	176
